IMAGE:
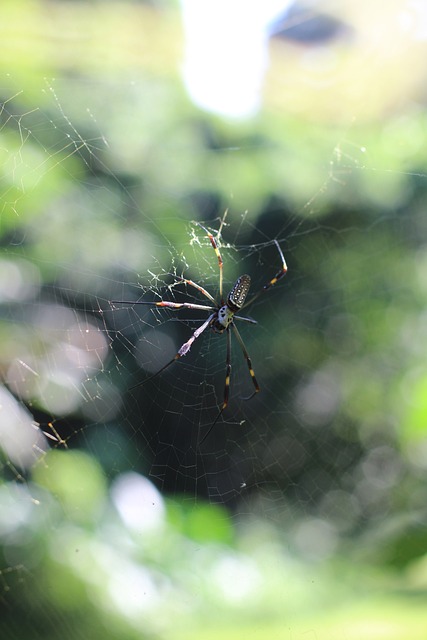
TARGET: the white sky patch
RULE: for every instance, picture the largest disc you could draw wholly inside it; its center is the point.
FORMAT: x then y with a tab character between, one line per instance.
226	52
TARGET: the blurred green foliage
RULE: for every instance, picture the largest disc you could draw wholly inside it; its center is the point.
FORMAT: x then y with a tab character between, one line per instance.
90	571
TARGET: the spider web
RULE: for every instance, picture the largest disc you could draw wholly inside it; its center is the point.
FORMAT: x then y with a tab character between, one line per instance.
84	354
190	392
80	229
78	370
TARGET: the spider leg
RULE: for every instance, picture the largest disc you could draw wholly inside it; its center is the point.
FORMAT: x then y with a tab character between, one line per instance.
226	387
248	361
227	372
183	350
251	320
165	303
195	285
218	255
272	282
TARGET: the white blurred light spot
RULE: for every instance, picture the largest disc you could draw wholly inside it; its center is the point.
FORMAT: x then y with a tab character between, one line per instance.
226	52
15	508
19	280
237	577
138	502
117	583
59	393
413	18
68	350
132	590
20	439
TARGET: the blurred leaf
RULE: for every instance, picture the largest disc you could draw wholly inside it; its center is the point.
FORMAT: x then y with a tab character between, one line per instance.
415	420
201	522
76	480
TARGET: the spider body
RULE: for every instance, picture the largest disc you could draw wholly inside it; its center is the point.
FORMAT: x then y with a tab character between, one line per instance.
222	316
235	301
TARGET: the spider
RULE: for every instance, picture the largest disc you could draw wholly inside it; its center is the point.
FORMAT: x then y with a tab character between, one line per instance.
221	318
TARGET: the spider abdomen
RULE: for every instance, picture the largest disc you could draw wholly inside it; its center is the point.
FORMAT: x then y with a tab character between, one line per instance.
237	296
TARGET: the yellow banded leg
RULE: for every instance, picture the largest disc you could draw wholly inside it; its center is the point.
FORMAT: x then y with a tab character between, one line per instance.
218	255
248	361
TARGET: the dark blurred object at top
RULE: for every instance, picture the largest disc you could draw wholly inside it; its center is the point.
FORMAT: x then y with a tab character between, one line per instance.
306	26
